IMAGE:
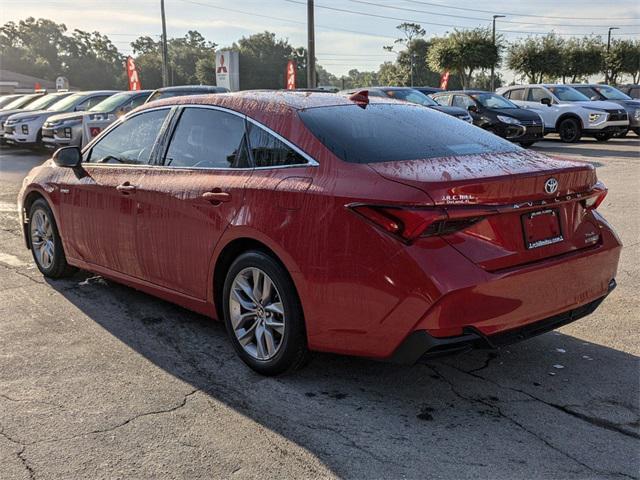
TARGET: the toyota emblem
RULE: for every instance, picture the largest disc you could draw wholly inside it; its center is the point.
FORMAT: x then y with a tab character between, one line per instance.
551	186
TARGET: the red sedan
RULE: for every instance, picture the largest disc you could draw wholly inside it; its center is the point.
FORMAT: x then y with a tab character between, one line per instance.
312	221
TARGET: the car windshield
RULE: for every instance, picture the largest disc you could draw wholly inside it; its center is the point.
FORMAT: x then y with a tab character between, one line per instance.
45	101
390	132
491	100
568	94
19	102
611	93
66	103
413	96
111	103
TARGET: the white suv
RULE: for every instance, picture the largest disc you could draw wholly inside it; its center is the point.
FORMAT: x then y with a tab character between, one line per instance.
568	112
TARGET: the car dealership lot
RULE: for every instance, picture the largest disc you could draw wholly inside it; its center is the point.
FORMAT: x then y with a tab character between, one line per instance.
98	380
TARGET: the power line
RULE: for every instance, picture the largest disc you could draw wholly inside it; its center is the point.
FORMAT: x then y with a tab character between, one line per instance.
420	2
386	17
394	7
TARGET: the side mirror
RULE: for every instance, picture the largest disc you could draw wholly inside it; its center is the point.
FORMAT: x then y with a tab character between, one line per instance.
472	108
546	101
595	97
69	157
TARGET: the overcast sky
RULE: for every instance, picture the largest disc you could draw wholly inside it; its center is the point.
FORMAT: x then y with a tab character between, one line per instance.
344	39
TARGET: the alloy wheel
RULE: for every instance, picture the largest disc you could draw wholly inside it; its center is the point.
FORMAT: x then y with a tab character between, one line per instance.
42	240
256	313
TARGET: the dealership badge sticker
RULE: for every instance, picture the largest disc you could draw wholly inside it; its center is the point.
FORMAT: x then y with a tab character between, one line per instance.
291	75
132	74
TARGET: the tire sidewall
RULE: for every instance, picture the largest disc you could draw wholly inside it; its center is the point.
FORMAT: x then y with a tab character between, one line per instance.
294	338
576	126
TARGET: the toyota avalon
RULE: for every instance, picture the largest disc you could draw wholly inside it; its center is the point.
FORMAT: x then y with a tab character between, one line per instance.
314	222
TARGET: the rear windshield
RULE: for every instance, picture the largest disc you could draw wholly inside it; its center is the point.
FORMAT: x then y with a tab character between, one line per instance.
391	132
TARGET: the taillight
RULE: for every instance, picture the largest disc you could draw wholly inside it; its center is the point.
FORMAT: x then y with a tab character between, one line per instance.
408	224
594	201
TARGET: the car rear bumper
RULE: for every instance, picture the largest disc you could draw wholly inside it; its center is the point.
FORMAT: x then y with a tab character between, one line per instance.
421	346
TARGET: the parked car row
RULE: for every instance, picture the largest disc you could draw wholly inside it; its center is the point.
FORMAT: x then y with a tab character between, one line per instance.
74	118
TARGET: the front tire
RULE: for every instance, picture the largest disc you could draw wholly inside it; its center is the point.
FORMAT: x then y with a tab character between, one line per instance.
263	315
569	130
46	245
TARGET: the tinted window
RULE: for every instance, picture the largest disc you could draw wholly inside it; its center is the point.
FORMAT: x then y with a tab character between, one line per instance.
462	101
412	96
130	142
537	94
517	94
268	151
91	102
442	99
206	138
388	132
568	94
491	100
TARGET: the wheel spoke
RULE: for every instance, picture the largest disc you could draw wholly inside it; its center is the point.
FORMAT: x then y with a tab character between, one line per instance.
266	289
238	321
246	288
273	324
257	274
275	308
246	304
268	340
245	336
260	347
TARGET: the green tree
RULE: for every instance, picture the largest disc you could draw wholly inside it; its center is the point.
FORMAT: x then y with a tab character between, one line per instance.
623	58
464	52
263	60
91	61
537	59
582	58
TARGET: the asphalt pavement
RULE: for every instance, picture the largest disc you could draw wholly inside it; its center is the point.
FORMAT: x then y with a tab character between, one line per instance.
100	381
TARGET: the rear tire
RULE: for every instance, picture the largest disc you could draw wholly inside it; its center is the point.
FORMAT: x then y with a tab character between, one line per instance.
569	130
526	144
263	315
46	245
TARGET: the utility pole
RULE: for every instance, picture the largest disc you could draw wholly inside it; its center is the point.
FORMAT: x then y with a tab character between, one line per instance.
165	62
311	47
493	67
606	73
413	62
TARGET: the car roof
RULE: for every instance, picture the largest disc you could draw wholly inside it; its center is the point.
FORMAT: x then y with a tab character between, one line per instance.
194	88
264	99
466	92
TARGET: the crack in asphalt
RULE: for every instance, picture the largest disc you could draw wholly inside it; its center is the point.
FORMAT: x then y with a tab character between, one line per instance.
31	400
19	454
596	422
18	271
499	411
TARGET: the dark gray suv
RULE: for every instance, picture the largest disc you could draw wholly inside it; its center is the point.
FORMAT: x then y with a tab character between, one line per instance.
611	94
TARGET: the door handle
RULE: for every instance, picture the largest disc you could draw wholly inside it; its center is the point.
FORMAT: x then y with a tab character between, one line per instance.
216	197
126	188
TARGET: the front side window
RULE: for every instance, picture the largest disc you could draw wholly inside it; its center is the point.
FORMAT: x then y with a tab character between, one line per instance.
491	100
462	101
207	138
91	102
611	93
268	151
442	100
131	142
537	94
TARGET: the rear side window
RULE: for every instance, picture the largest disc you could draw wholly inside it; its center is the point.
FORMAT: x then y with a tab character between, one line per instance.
442	99
206	138
517	94
537	94
131	142
269	151
391	132
462	101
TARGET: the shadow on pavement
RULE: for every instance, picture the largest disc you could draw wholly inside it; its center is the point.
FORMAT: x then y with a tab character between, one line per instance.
554	407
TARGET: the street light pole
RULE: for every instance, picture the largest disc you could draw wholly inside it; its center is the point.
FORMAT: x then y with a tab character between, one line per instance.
165	71
311	47
493	67
606	73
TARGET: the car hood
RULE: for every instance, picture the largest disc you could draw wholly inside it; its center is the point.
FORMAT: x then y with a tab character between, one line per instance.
492	178
598	105
36	113
455	111
519	113
4	114
61	117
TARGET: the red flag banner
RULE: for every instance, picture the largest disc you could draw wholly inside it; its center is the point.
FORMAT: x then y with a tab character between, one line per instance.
444	80
132	74
291	75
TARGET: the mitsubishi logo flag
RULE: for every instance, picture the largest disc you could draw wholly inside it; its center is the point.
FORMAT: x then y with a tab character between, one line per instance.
291	75
444	80
132	74
221	66
227	69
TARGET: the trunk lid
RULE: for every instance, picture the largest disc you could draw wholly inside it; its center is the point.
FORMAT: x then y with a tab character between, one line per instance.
506	189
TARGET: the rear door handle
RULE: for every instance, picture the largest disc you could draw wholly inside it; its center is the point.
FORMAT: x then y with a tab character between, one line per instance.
216	197
126	188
